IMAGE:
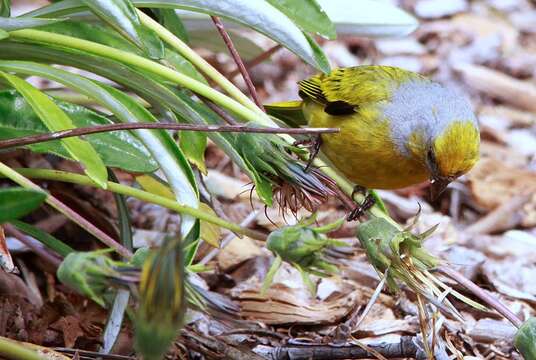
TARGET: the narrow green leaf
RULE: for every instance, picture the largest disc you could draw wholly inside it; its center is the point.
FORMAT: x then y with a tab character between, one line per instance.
258	15
17	202
194	144
308	15
172	22
45	238
121	14
9	24
56	120
525	339
5	8
3	34
107	36
120	149
125	224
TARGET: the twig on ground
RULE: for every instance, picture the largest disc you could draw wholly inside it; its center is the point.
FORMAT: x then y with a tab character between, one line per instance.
406	348
502	218
238	60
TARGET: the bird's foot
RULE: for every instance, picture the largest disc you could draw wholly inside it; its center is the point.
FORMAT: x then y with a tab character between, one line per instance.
363	207
314	145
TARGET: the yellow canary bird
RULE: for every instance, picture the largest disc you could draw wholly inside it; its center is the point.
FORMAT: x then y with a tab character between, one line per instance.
397	128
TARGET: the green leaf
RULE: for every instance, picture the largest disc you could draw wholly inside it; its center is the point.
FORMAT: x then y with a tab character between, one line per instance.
159	143
525	339
45	238
9	24
258	15
125	223
17	202
56	120
106	36
194	144
308	15
369	18
5	8
118	149
172	22
121	15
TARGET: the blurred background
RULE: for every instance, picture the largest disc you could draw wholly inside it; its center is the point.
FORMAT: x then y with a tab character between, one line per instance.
487	49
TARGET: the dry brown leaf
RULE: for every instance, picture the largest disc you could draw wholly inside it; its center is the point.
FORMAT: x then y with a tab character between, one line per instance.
70	327
282	305
499	85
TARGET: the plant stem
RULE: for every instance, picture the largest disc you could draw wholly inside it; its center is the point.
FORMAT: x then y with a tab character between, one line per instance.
65	210
247	113
202	65
45	174
32	139
238	60
11	349
39	251
481	294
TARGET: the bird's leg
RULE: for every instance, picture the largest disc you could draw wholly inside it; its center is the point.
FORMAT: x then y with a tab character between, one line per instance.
314	145
363	207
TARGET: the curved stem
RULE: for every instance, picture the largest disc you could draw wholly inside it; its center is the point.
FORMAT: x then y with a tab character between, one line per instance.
148	65
200	63
45	174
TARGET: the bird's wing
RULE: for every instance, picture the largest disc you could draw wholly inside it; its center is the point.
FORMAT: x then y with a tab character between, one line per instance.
345	89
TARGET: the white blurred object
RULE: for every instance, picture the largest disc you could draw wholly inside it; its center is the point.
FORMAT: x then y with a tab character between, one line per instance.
406	46
523	140
368	18
434	9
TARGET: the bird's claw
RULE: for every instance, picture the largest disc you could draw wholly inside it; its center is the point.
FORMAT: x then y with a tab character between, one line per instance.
314	144
362	208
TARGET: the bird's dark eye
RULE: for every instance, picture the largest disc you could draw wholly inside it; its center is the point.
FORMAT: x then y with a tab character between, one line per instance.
431	159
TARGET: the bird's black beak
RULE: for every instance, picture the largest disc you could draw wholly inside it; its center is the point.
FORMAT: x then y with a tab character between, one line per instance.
438	186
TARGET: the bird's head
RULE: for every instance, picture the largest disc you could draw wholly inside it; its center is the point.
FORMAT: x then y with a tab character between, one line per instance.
452	153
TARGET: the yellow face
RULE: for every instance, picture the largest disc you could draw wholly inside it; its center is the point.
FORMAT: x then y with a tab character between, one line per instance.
456	150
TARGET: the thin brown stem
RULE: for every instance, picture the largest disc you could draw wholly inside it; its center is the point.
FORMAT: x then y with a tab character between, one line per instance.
481	294
256	60
32	139
238	60
39	251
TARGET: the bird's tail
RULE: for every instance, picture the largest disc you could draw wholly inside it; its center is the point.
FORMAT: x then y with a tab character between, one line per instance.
290	112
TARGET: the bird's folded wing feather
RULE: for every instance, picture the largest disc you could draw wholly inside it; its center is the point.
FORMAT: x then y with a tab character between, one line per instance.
347	88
